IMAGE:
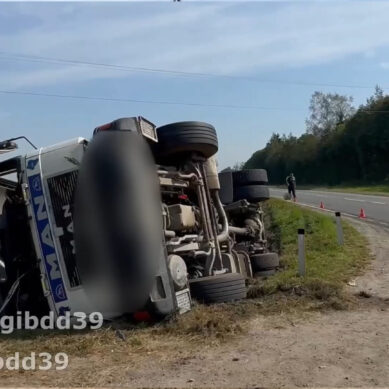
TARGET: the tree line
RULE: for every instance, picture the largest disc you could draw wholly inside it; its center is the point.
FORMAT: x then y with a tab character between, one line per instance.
341	145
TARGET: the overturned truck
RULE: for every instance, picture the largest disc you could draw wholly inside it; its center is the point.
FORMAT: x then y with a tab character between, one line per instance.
136	220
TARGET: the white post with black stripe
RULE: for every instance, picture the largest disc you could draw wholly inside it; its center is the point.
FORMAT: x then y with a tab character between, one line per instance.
301	252
339	228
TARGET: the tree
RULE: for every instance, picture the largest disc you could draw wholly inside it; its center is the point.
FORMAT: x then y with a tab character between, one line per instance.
238	166
337	149
378	95
368	131
328	110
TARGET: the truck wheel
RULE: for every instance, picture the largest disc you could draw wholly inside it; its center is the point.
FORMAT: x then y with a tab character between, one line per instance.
118	222
220	288
176	140
264	261
251	193
250	177
226	192
265	273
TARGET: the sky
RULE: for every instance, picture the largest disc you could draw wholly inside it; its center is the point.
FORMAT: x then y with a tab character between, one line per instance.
260	61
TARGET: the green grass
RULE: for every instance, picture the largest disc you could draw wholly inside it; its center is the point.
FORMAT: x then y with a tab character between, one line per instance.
328	265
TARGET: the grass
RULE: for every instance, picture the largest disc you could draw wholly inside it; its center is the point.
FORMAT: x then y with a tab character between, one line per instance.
328	265
102	357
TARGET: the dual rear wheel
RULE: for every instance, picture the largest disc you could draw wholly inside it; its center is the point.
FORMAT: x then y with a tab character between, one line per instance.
251	185
219	288
264	264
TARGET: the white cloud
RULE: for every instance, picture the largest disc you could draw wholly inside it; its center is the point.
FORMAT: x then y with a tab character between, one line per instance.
225	38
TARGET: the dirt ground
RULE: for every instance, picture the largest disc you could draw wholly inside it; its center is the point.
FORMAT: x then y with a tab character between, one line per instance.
336	348
332	348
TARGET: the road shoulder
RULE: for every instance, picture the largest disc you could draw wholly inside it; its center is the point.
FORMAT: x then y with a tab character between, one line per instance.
332	348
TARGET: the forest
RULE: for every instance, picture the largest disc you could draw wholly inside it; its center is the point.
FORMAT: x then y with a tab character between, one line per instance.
342	145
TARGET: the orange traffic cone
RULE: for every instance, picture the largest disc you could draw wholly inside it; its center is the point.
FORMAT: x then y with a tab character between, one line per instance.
362	214
321	205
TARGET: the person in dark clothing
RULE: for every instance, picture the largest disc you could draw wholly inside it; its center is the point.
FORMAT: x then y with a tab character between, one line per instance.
291	183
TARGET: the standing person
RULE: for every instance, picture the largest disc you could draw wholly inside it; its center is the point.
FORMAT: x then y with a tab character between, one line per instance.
291	183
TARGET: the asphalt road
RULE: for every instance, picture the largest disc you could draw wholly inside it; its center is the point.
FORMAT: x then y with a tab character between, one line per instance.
376	207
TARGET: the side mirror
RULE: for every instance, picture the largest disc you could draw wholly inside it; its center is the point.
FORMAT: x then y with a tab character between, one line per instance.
7	146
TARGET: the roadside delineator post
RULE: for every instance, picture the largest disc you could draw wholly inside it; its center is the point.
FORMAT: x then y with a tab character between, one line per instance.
301	252
339	228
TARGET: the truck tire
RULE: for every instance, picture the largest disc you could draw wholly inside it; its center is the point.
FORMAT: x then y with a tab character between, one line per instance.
264	261
226	192
176	140
250	177
118	222
251	193
220	288
265	273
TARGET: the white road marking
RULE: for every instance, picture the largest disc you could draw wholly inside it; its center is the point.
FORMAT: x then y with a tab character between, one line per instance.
344	198
374	221
365	201
344	214
325	210
334	194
